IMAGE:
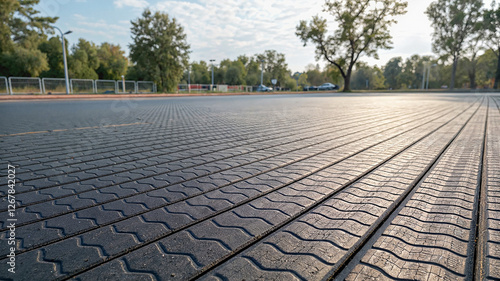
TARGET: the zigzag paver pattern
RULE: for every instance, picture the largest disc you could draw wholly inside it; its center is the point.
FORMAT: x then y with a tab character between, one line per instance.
355	187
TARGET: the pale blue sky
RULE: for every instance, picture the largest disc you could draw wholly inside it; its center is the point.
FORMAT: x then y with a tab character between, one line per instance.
219	29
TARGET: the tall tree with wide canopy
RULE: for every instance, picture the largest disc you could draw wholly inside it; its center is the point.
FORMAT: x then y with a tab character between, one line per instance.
363	28
454	22
159	49
21	31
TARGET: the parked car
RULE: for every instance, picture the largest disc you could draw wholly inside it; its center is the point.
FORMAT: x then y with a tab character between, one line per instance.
263	88
310	88
328	86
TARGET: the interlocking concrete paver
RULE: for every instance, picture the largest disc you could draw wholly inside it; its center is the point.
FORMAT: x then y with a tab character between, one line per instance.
260	187
427	240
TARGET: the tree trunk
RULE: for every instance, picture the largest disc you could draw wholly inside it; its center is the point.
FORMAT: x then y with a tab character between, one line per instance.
453	73
472	77
347	84
497	76
347	80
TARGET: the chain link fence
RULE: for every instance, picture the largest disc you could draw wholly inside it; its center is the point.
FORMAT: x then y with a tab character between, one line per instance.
48	86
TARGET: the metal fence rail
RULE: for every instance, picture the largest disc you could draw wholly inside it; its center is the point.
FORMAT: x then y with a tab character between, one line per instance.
35	85
146	87
105	86
4	86
54	86
82	86
25	85
130	87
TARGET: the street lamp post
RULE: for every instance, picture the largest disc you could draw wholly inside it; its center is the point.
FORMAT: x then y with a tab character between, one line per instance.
425	75
64	58
212	87
123	83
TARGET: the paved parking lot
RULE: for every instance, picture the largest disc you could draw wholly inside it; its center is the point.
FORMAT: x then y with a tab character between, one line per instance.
312	187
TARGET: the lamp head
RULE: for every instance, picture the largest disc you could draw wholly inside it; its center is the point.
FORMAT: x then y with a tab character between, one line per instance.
68	32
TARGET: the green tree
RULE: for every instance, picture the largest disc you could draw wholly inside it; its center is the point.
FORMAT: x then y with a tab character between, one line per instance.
200	73
23	62
53	50
492	30
290	83
454	22
393	72
253	71
303	80
487	65
235	73
84	61
135	73
314	75
19	21
367	78
159	49
112	62
275	66
363	29
21	32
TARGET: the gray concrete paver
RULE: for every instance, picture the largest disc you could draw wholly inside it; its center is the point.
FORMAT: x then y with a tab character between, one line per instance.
230	186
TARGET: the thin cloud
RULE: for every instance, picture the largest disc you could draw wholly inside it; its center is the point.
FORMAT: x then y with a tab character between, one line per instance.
228	28
139	4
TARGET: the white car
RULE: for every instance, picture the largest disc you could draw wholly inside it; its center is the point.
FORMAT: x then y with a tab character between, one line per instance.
263	88
328	86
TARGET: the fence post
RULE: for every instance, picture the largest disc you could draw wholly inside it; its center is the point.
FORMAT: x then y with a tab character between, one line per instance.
10	85
43	86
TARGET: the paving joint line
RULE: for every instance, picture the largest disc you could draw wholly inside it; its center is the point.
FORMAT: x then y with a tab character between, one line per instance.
194	178
257	238
345	265
478	240
180	145
201	193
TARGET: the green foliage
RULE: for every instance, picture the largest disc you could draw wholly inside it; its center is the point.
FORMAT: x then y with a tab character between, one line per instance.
393	72
112	62
21	31
492	35
253	70
364	75
235	73
363	29
275	66
454	22
303	81
487	65
83	61
23	62
200	73
19	21
315	76
159	49
53	50
135	73
290	83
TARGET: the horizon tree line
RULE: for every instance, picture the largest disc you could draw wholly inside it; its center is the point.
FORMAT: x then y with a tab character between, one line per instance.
466	40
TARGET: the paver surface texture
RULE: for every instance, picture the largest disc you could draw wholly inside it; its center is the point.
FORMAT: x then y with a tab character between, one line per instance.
289	187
